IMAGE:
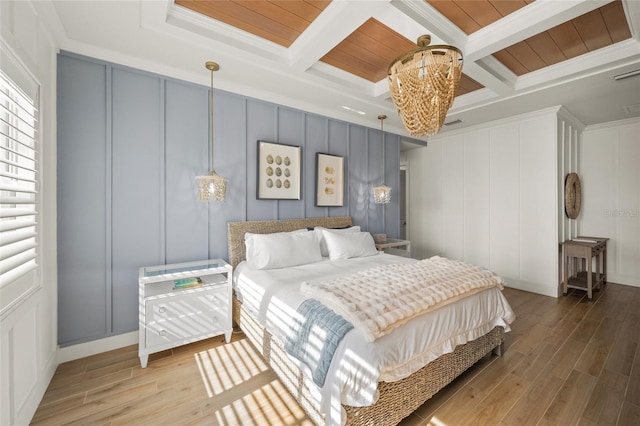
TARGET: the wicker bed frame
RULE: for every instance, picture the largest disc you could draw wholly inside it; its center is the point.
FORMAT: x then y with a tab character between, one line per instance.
397	399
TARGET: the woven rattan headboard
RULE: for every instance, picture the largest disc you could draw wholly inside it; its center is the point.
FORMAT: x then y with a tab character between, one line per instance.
236	231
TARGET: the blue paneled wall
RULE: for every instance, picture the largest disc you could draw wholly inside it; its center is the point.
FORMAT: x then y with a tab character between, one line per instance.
130	144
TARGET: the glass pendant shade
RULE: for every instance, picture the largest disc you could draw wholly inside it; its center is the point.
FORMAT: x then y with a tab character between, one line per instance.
423	84
382	194
211	185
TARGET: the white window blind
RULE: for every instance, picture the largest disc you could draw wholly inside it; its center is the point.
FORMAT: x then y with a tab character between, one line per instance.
18	181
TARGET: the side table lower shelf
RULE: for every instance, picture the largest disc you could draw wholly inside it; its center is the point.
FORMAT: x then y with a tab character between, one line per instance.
581	281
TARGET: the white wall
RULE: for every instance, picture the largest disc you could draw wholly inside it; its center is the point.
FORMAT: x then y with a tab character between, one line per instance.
488	195
610	176
570	133
28	326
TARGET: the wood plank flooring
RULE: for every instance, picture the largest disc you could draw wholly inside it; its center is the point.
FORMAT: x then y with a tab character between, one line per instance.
568	361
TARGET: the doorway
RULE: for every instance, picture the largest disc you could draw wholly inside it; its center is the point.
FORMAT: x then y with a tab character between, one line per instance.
403	202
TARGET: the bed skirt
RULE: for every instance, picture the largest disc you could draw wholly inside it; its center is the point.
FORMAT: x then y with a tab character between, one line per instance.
397	399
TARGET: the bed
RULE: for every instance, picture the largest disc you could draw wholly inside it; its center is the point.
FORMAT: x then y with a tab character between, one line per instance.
399	390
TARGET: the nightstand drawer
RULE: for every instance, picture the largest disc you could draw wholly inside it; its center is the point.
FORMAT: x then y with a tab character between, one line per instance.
190	326
186	315
182	305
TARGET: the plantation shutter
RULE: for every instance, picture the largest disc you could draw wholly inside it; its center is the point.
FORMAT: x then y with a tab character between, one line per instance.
18	181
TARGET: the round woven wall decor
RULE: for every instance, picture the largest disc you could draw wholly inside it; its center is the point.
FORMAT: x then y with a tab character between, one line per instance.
572	195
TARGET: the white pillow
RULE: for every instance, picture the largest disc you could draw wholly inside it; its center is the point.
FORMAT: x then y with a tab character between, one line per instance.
281	250
346	245
248	235
319	231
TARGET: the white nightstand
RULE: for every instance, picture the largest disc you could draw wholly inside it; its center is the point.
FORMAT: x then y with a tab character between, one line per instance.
171	315
394	246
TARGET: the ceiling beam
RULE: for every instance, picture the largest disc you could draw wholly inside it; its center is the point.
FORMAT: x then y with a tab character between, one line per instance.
632	12
433	22
333	25
620	54
526	22
404	25
491	74
225	36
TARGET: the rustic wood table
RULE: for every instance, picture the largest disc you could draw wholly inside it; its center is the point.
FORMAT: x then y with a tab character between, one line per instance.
585	249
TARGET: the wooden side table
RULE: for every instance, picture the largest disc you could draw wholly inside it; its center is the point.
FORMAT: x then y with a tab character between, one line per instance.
585	248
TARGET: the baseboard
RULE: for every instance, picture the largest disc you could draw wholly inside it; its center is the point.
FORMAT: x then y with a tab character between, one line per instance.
624	280
28	410
81	350
531	287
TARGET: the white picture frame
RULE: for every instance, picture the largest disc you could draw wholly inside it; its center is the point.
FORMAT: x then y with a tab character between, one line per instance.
329	180
279	171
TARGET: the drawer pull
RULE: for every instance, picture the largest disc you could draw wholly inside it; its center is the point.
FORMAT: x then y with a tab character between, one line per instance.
162	332
162	309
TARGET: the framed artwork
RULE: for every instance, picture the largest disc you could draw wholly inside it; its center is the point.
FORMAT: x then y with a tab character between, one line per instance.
329	180
279	169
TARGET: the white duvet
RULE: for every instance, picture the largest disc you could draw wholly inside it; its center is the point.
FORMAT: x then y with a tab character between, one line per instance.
397	293
272	297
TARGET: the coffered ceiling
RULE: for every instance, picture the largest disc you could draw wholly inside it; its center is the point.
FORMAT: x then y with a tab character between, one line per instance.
331	57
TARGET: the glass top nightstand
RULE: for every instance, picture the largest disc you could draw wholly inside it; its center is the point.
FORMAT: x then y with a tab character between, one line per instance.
183	303
395	246
152	274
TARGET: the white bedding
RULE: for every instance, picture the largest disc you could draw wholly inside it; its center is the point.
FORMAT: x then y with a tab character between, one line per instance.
272	296
399	292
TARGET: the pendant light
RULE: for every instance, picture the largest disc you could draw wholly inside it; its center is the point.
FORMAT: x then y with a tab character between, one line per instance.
211	185
382	193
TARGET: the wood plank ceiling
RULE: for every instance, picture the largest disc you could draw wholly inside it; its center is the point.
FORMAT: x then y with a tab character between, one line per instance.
599	28
368	51
472	15
280	21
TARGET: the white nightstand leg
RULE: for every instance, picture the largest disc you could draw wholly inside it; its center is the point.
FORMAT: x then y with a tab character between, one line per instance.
227	336
144	360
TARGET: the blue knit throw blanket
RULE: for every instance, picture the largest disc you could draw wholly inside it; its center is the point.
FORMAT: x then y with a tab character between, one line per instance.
316	335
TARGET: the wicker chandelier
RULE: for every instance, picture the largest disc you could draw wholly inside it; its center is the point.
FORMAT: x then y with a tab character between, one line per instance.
211	184
423	84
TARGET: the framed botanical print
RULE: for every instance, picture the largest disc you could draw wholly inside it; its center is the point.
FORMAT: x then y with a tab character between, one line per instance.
329	180
279	168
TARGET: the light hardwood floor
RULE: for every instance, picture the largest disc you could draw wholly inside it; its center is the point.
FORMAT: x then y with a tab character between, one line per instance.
568	361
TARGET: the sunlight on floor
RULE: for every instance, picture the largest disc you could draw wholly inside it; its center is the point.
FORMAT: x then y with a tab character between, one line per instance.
270	404
236	371
228	365
435	422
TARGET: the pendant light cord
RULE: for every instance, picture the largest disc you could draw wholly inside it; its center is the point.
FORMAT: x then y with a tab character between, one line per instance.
383	117
211	125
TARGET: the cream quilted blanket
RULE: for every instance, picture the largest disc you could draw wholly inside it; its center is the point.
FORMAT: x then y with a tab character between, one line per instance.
378	300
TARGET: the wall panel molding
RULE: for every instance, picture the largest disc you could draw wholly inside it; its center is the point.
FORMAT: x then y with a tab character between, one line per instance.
488	196
609	158
570	132
149	139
